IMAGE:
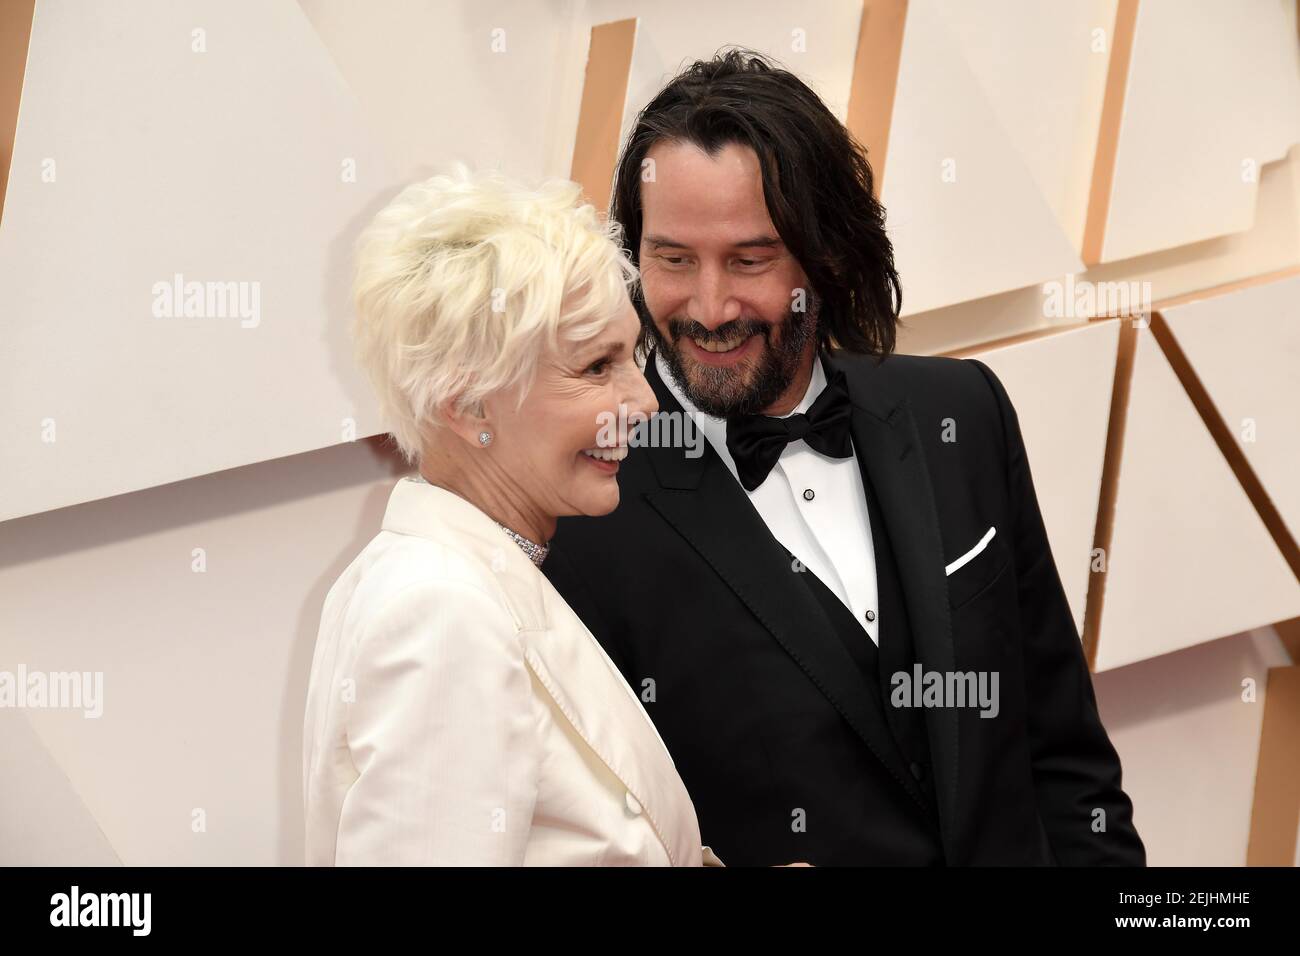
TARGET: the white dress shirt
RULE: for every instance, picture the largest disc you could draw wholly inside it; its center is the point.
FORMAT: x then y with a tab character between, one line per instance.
813	504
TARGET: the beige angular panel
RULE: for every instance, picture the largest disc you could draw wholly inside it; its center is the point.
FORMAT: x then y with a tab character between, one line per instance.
1271	243
1244	346
1059	51
43	821
974	324
210	148
199	603
815	41
490	82
1190	559
1060	384
1189	745
1198	126
966	216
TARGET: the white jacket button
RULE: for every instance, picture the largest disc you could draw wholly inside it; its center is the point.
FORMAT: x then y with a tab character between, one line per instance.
633	807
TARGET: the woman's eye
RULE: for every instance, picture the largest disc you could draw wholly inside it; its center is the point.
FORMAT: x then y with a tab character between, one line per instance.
599	366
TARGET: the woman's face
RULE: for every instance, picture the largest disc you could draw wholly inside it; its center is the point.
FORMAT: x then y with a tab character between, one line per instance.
560	446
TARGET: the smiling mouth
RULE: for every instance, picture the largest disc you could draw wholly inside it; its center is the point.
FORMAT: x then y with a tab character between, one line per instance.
723	346
618	453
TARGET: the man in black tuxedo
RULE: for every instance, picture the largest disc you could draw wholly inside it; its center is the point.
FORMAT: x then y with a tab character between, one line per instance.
838	602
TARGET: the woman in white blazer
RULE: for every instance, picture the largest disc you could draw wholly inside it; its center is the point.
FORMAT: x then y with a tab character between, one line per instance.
459	713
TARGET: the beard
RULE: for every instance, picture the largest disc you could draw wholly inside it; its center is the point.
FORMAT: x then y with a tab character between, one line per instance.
750	387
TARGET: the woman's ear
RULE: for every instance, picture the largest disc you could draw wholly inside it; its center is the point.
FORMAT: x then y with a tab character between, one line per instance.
470	424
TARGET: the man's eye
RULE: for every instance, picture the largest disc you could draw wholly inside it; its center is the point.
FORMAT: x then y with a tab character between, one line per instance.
673	260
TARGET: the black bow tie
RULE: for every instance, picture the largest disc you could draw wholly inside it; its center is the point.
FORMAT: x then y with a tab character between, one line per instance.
756	441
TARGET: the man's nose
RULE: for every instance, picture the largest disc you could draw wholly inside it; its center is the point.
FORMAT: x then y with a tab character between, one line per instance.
713	305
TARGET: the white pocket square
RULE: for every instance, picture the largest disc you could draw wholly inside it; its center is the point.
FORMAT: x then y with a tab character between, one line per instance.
970	555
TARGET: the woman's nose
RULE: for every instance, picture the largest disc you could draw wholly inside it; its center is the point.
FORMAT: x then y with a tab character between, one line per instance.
642	399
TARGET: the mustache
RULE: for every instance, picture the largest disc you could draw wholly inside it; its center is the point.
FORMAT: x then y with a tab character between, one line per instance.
728	330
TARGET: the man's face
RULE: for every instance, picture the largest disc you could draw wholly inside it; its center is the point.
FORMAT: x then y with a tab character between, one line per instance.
733	314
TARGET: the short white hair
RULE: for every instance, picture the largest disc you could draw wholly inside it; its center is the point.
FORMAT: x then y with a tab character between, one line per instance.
463	280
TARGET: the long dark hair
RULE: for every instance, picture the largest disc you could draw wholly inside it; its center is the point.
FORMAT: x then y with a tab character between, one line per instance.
816	181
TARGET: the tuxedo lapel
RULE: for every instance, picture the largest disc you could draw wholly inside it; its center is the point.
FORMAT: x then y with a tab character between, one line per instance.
703	502
889	449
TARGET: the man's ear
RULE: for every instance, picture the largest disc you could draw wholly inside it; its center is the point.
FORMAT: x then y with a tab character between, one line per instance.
467	423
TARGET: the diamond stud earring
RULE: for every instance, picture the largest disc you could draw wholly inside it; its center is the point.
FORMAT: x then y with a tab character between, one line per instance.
485	438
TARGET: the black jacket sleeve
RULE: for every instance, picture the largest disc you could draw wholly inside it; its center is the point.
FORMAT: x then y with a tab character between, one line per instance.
1087	815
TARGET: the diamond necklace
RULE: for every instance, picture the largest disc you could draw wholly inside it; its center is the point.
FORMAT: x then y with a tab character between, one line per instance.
536	552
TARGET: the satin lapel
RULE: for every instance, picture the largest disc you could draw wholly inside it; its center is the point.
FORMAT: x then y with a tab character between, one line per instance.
705	504
601	707
886	441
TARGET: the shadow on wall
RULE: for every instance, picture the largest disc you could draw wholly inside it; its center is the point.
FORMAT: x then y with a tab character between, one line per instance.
75	580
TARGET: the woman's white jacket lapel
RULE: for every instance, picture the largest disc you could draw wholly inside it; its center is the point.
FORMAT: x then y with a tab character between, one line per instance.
567	660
